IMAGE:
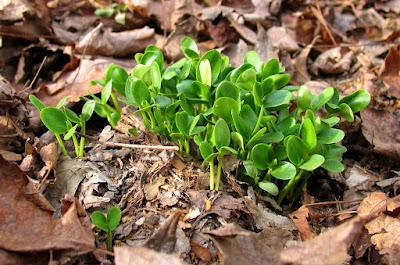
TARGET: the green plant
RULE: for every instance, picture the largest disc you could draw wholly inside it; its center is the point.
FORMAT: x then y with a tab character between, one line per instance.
107	223
117	9
63	121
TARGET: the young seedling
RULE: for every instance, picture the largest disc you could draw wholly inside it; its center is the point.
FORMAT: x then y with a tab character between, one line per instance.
117	9
107	223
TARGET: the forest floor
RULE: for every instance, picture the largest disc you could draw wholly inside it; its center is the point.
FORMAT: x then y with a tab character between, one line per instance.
55	48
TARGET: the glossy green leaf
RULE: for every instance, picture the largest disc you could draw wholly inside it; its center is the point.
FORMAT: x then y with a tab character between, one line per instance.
183	122
223	107
227	89
330	136
221	134
334	151
333	165
276	99
313	162
54	119
189	48
214	57
284	171
104	12
162	101
332	121
247	80
72	116
118	78
346	112
245	121
253	58
70	132
106	92
269	187
37	102
304	98
358	100
205	72
237	138
262	156
308	134
62	102
137	92
155	75
114	118
87	109
206	149
99	220
323	98
113	218
272	67
280	80
296	150
250	169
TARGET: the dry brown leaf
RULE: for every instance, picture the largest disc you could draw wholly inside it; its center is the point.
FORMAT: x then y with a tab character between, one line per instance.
333	61
299	217
26	227
143	256
242	247
281	40
390	73
200	251
385	139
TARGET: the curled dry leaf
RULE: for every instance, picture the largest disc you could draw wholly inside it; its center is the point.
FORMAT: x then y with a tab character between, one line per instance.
26	227
385	139
242	247
390	73
299	217
333	61
281	40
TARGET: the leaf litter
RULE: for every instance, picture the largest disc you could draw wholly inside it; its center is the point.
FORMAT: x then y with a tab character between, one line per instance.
56	48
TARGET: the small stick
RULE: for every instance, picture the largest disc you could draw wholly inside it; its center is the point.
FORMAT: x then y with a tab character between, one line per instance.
331	202
139	146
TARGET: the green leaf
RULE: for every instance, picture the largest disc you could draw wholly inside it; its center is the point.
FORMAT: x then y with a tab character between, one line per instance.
54	119
272	67
221	134
257	135
87	110
162	101
206	149
334	151
252	58
214	57
155	75
70	132
113	218
280	80
36	102
223	107
269	187
250	169
183	122
313	162
189	48
304	98
332	121
296	150
118	78
247	80
346	112
262	156
245	121
137	92
330	136
227	89
308	134
277	99
120	18
323	98
358	100
284	171
99	220
205	72
72	116
62	102
104	12
106	92
333	165
193	129
237	138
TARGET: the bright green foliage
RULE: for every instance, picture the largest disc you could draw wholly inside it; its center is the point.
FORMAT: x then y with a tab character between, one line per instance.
63	121
117	9
279	132
107	223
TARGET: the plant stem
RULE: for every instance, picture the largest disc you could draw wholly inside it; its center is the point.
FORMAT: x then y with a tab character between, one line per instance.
219	169
82	141
62	146
115	102
289	186
76	145
187	147
145	120
212	175
153	123
109	241
180	146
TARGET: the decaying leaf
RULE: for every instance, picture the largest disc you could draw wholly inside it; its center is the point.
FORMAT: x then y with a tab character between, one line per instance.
390	72
299	217
242	247
143	256
333	61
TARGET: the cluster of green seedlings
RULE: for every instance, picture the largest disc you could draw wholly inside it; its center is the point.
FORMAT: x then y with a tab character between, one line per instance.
116	9
279	132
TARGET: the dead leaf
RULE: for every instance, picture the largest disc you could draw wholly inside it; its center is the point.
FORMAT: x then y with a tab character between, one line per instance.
333	61
385	139
242	247
390	73
143	256
28	228
299	217
281	40
164	238
200	251
359	178
49	155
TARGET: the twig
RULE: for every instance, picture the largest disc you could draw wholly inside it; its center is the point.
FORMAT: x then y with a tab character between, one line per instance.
104	251
139	146
331	203
36	75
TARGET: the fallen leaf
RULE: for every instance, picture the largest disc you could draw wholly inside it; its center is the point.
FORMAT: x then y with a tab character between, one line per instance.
143	256
242	247
200	251
26	227
385	139
333	61
299	218
281	40
359	178
390	73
